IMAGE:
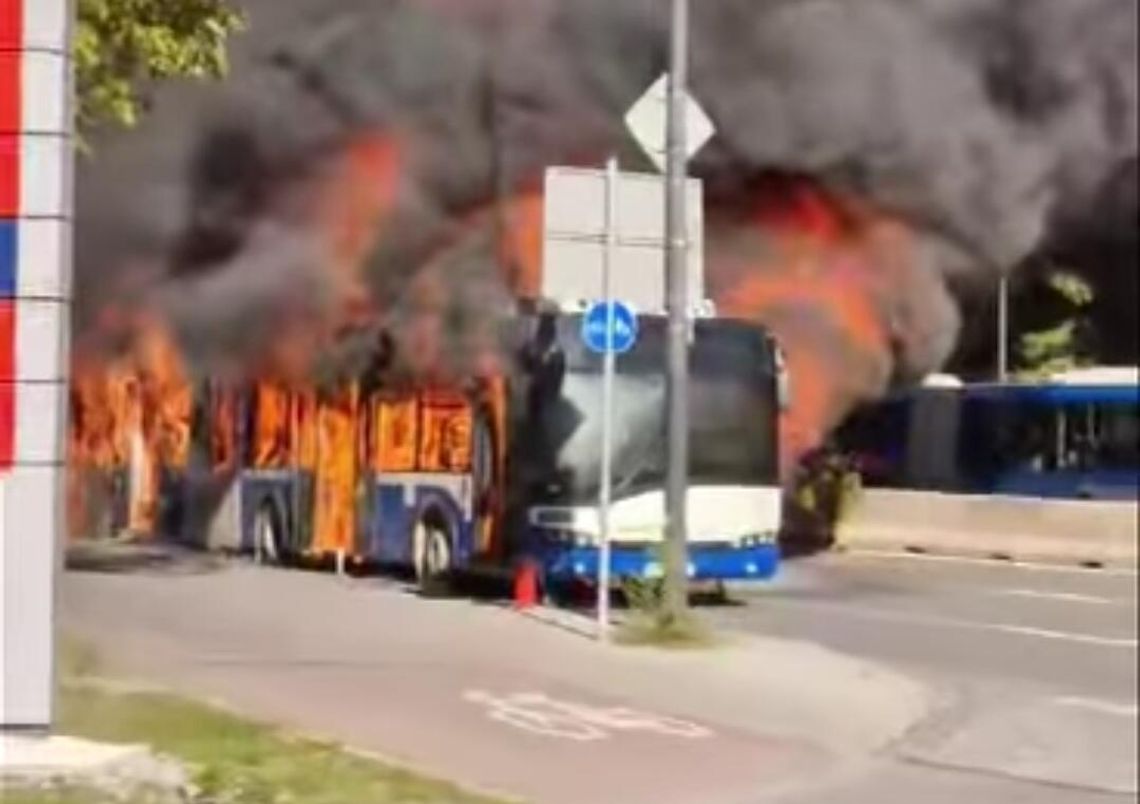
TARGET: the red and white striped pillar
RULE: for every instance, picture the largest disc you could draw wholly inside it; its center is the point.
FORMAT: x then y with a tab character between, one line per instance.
36	169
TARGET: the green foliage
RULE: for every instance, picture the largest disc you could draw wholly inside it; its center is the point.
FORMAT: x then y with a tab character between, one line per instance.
663	632
651	623
233	760
1072	288
645	596
121	45
1049	351
828	487
1059	347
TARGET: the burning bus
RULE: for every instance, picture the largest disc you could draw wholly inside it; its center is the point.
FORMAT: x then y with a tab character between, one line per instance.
378	468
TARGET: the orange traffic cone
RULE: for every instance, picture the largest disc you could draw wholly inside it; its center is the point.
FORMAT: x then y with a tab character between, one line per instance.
526	585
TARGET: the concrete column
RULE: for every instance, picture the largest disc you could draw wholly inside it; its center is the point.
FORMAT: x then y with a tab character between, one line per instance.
36	169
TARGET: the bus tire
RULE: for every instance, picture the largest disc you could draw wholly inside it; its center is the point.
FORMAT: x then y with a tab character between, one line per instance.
433	554
268	536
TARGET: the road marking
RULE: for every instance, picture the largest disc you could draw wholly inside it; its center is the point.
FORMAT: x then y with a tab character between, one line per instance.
989	562
1103	707
540	714
971	625
1064	636
1064	597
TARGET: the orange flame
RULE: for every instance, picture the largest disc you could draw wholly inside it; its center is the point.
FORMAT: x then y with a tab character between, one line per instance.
798	252
360	192
130	413
522	243
809	264
334	514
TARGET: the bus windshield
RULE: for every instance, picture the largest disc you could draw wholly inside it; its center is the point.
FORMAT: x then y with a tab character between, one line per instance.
733	412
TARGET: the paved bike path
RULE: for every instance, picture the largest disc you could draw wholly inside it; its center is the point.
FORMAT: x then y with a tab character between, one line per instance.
480	696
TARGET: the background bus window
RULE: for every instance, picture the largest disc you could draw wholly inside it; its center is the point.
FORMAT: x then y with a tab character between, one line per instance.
1100	437
1002	436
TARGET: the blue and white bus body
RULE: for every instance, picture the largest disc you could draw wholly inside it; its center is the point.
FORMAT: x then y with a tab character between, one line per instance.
1077	400
733	535
286	495
738	386
398	502
1076	437
390	506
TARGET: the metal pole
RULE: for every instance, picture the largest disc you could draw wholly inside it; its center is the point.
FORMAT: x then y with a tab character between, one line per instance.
1003	328
608	368
677	378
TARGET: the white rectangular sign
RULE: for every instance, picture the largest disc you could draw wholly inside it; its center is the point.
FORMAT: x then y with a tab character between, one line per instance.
574	238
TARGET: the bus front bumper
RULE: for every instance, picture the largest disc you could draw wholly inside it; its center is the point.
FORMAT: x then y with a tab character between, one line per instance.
706	562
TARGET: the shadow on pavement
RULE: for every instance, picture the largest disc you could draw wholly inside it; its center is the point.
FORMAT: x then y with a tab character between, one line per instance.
118	556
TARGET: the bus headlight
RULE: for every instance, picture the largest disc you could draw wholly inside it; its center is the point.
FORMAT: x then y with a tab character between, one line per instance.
756	540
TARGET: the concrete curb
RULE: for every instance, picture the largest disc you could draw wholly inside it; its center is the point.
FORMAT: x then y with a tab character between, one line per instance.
42	761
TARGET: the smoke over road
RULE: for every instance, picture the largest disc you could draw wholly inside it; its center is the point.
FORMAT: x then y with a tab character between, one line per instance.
368	158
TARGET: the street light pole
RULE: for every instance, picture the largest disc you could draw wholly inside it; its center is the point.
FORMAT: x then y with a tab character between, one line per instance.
1003	328
677	284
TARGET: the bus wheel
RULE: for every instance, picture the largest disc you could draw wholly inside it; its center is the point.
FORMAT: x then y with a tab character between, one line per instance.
433	555
267	536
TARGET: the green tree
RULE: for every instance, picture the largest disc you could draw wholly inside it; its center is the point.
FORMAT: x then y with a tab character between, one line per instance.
1062	346
121	46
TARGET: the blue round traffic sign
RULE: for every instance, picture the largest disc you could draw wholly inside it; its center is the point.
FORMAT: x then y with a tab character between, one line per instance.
595	326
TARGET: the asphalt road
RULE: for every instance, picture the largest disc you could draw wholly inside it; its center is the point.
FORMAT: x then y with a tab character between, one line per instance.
1036	668
1033	673
474	693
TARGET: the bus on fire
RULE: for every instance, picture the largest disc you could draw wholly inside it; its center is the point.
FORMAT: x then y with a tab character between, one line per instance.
502	469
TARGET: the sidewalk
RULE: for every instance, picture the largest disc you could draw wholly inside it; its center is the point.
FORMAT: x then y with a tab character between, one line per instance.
483	695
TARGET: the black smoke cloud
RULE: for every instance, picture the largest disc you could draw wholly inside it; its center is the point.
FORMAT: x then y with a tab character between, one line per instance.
997	129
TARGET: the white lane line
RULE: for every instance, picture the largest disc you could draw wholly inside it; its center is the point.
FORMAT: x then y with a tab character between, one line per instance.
1103	707
884	615
1064	636
1119	572
1062	597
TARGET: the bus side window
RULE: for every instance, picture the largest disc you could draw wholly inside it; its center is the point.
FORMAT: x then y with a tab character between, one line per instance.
221	421
304	429
395	434
446	438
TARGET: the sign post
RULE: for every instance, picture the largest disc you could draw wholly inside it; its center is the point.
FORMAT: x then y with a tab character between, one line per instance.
1003	328
608	327
672	127
608	367
36	147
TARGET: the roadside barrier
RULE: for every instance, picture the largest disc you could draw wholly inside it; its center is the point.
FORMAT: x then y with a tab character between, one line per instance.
1078	532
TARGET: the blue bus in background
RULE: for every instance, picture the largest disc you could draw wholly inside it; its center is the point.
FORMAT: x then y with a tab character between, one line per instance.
1074	435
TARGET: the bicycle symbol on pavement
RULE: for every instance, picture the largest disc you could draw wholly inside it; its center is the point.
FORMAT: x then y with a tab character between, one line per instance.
538	713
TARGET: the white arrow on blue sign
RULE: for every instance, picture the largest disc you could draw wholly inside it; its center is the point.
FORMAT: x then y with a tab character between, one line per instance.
595	326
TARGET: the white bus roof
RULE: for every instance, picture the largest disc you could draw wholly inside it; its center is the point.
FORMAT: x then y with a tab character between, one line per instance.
941	381
1099	375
